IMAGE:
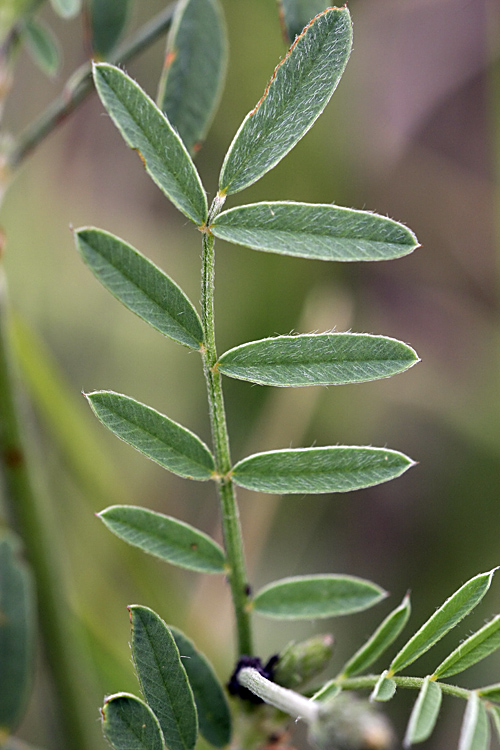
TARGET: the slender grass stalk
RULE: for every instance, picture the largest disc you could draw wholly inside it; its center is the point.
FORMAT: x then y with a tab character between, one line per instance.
80	85
231	527
25	508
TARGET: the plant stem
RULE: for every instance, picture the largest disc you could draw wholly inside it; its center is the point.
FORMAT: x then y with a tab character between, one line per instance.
29	519
231	527
369	681
80	85
290	702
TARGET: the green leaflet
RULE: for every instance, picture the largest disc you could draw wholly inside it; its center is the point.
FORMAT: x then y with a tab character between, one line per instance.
317	359
195	69
491	692
163	679
108	20
146	129
214	716
128	724
317	470
424	714
66	8
384	690
381	639
444	619
316	231
478	646
298	13
165	537
159	438
305	597
329	690
140	285
42	46
298	92
475	732
17	633
494	712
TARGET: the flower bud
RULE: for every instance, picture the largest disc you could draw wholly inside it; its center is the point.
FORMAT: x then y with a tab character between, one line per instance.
299	662
348	723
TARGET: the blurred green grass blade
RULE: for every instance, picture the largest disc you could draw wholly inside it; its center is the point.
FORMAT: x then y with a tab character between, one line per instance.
214	716
140	285
384	690
163	679
169	444
42	46
316	470
477	647
317	359
17	633
491	692
128	724
424	714
382	638
475	731
494	712
296	95
315	231
298	13
146	130
307	597
107	22
67	8
195	69
65	417
167	538
443	620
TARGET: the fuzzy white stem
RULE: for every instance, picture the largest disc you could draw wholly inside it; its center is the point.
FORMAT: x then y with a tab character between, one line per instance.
286	700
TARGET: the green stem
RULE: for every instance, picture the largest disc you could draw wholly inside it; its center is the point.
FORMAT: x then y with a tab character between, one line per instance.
231	527
80	85
25	506
369	681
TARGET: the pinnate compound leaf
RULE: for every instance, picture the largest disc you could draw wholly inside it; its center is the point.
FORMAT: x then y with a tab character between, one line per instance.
491	692
296	95
42	46
317	470
315	231
163	679
17	633
66	8
475	731
317	359
477	647
140	285
165	537
308	597
214	716
146	129
107	21
129	724
443	620
298	13
381	639
384	690
194	70
169	444
424	714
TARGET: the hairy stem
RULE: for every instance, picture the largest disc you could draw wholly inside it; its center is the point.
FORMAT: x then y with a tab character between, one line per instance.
80	85
369	681
25	508
231	527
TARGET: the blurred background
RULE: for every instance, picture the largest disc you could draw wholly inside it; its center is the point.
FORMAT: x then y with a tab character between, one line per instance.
413	132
